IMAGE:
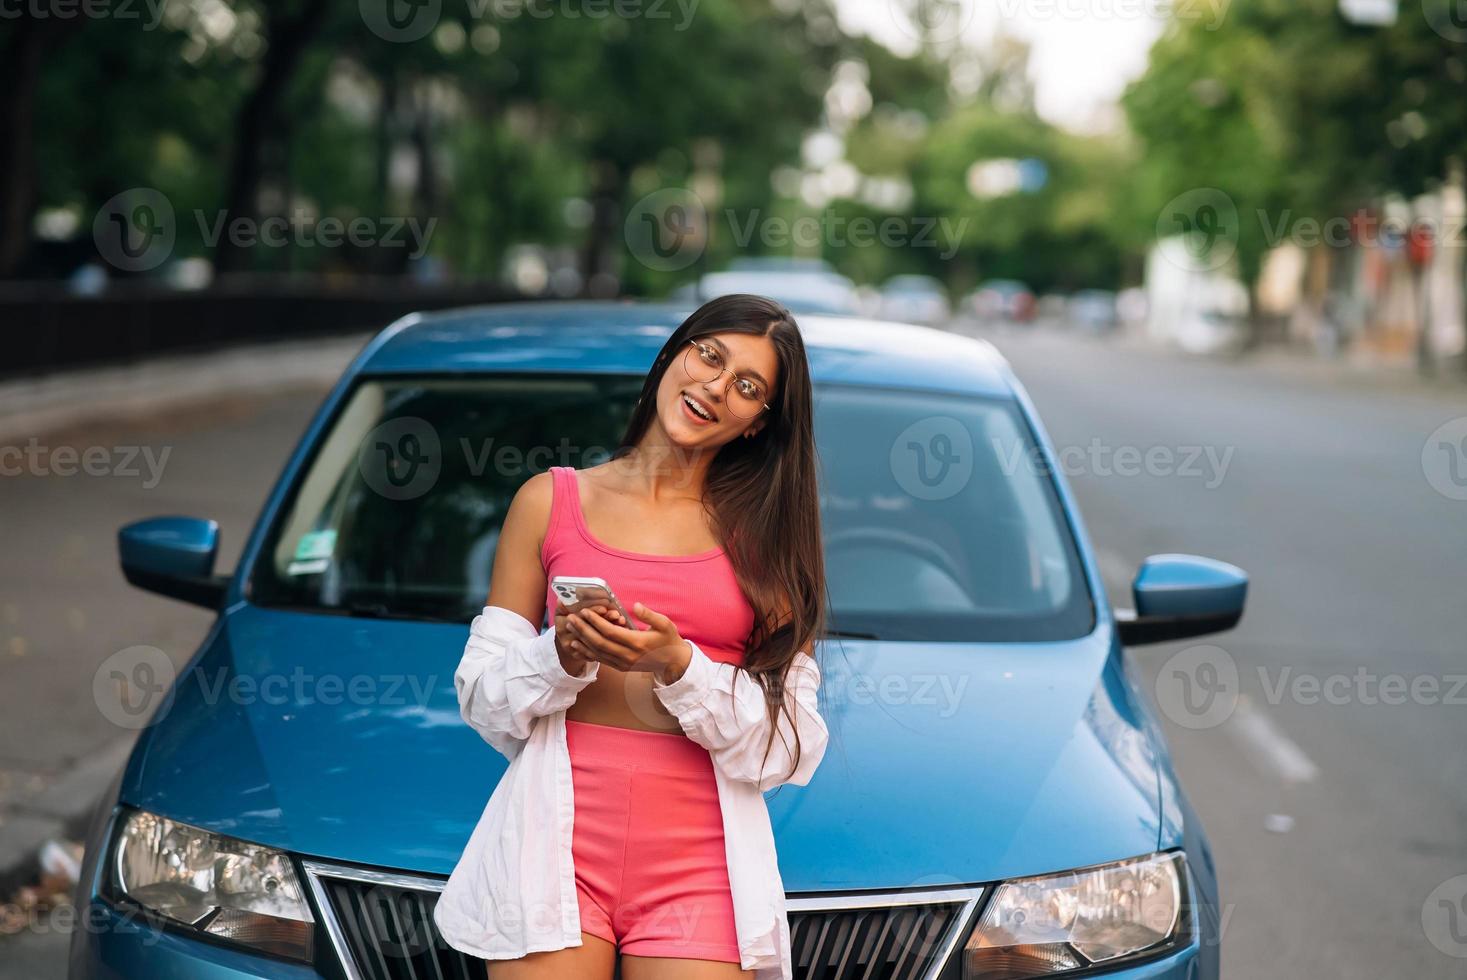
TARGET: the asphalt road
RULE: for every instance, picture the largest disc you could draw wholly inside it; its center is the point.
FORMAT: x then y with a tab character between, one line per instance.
1335	817
1335	797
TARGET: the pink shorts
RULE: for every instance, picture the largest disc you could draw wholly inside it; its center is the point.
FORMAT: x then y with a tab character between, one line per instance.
651	870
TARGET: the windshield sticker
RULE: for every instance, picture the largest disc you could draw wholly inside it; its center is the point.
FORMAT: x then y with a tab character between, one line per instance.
313	553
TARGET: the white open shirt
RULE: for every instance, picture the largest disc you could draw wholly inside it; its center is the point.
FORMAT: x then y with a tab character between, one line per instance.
513	890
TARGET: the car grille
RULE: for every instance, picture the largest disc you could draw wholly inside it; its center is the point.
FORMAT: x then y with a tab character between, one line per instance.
381	925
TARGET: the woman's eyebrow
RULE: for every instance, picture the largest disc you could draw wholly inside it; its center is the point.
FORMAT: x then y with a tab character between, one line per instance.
751	373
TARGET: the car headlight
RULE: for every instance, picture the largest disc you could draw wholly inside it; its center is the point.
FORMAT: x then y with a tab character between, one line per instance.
1095	917
220	886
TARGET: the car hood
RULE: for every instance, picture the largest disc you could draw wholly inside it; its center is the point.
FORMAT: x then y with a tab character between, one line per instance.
340	738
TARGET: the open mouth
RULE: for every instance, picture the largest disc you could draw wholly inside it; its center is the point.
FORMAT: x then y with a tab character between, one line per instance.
697	409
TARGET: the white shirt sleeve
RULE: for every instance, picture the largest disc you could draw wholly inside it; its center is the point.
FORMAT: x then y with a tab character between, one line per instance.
726	711
509	676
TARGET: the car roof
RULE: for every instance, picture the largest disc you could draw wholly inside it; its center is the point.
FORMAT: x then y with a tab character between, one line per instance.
600	337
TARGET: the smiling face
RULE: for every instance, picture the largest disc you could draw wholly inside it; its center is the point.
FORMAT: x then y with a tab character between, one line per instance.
748	356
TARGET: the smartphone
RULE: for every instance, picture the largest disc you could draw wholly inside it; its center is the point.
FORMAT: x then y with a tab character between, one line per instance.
576	591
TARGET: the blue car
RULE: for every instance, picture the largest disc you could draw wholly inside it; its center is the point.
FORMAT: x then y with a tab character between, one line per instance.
996	801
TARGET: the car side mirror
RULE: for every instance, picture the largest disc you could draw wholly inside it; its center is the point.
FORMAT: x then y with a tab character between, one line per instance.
174	556
1179	596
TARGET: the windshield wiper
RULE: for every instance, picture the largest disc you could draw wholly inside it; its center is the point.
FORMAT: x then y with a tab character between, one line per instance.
851	635
379	610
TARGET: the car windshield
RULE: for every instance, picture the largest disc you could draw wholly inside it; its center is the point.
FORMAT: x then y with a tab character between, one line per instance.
939	521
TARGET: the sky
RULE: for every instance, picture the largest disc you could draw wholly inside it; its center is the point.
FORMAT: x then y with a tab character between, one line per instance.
1083	51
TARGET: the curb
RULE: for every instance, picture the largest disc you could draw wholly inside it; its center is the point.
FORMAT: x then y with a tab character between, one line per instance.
30	407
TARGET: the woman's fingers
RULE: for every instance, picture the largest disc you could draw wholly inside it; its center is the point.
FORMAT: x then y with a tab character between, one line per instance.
600	634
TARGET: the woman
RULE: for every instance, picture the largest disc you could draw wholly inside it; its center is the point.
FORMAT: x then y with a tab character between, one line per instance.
632	818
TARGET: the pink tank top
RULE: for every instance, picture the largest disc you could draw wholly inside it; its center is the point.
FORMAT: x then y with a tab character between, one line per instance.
699	593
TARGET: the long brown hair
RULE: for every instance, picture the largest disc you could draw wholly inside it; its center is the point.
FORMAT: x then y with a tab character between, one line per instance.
764	486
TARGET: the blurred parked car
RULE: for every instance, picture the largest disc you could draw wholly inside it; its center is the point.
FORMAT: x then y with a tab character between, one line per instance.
1001	299
915	299
1093	309
1050	308
805	286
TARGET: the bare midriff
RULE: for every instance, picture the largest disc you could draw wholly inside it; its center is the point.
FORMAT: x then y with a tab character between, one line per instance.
623	699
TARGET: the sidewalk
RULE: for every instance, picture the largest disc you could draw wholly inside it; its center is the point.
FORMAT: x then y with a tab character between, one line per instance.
31	407
1276	360
41	802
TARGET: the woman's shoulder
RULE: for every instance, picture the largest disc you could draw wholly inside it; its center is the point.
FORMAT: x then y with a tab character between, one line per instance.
532	503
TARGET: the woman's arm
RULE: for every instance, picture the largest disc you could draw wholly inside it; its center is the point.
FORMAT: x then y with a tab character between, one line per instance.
509	674
726	711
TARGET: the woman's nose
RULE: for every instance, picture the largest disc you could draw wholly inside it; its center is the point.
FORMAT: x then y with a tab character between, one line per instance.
722	382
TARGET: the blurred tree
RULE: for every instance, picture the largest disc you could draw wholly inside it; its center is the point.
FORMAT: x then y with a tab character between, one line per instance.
1061	234
27	38
288	29
1295	113
742	76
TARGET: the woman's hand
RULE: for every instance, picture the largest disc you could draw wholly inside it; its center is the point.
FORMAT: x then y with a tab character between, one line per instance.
565	636
659	649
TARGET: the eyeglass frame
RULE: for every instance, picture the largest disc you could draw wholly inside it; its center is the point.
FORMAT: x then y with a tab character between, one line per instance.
698	344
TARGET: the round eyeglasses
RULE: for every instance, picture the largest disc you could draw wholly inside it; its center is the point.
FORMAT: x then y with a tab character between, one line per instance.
745	398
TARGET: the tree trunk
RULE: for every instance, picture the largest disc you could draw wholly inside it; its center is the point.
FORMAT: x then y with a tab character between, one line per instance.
606	196
20	71
287	37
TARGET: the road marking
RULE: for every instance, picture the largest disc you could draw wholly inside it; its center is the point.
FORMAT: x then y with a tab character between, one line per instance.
1269	748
